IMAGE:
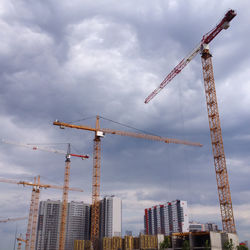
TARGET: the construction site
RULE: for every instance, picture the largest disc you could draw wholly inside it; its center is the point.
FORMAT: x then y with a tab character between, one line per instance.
199	241
175	240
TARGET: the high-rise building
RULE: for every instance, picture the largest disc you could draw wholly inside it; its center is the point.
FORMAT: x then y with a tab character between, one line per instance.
48	225
171	217
77	225
110	216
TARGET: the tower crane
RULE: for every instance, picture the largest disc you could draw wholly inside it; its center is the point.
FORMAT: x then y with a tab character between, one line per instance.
36	147
67	154
20	240
65	196
34	204
226	207
99	133
12	219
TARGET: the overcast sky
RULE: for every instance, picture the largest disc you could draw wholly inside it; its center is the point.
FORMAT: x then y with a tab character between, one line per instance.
72	60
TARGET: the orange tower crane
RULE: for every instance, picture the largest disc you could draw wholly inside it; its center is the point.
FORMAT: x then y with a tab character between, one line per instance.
226	207
100	132
34	204
68	154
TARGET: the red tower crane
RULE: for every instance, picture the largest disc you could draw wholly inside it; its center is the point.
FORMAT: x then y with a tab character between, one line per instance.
213	117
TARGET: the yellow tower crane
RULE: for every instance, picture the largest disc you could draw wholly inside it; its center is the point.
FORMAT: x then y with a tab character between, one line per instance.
34	204
100	132
224	193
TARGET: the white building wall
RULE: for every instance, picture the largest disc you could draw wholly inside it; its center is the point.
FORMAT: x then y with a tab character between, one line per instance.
111	217
185	223
117	217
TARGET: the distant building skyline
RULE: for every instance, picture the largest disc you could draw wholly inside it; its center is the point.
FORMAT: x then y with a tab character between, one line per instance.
199	227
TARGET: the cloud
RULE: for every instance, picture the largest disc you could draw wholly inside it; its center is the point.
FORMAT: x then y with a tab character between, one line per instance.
74	60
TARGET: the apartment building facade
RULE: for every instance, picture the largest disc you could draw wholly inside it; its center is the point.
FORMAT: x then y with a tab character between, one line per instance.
171	217
49	218
78	223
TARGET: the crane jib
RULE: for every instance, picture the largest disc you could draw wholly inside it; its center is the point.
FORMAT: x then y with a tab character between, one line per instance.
206	39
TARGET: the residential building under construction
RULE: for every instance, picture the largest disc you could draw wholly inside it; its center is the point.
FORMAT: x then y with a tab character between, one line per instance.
171	217
78	222
77	227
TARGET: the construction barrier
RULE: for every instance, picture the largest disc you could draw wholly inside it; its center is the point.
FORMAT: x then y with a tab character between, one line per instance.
82	245
148	242
117	243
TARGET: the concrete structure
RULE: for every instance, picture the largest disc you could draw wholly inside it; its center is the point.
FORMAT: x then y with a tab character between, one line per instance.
204	240
77	227
167	218
110	217
177	241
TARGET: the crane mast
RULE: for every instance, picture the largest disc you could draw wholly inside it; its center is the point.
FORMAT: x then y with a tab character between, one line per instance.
224	193
35	214
64	201
223	187
96	185
30	218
